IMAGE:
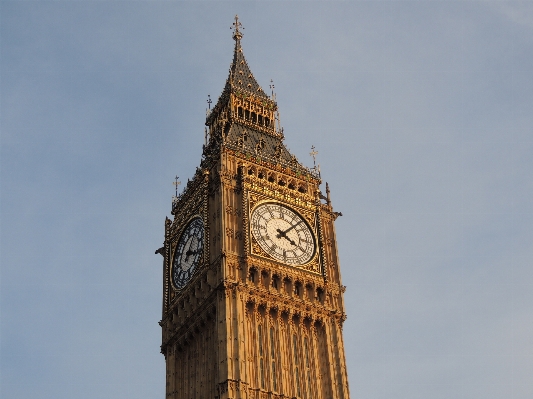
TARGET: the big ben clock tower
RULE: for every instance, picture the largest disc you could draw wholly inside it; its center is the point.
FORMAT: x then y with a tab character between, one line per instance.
252	295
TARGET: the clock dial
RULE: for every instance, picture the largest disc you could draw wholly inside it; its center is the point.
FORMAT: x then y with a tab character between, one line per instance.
188	253
283	234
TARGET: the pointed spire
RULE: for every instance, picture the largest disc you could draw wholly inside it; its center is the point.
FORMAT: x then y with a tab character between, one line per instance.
240	79
243	100
240	76
246	120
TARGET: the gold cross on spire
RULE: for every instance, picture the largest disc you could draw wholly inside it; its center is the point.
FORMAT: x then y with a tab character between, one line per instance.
237	34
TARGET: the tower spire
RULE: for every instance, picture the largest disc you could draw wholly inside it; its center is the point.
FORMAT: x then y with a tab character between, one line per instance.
240	80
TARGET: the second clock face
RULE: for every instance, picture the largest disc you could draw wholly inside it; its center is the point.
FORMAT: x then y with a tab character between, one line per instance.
188	253
283	234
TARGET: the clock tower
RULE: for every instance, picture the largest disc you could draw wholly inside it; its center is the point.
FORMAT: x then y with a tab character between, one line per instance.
252	294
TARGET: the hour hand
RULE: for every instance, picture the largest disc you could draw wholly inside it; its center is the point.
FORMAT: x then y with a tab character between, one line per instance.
189	253
282	234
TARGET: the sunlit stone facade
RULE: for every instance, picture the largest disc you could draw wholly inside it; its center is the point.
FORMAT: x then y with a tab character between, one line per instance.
252	294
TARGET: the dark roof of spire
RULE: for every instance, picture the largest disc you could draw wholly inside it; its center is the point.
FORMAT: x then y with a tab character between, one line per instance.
240	79
250	145
240	76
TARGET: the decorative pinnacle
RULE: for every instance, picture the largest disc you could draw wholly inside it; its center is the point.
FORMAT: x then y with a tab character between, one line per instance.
176	183
313	153
237	34
272	87
328	197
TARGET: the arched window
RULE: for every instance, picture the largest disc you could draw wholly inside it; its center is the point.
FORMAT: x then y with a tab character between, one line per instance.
275	282
320	295
253	275
265	279
298	289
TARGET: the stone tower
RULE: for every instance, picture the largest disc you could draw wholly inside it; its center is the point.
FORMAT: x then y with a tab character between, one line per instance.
252	294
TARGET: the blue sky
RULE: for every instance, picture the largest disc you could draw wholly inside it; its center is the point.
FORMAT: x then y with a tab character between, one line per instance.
422	116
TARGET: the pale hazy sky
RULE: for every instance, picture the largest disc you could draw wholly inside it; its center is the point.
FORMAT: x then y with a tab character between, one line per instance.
422	113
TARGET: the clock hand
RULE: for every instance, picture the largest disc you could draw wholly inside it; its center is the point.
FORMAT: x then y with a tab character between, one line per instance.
189	253
282	234
192	243
291	241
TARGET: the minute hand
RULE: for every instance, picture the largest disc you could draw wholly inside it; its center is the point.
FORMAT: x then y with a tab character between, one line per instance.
282	233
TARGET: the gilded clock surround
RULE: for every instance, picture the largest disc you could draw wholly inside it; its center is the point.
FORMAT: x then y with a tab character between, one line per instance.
174	253
247	325
254	201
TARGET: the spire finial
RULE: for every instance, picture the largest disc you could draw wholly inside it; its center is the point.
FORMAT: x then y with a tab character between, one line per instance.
237	34
175	197
313	153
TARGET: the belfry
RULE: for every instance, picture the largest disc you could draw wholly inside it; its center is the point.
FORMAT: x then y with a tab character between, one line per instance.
252	293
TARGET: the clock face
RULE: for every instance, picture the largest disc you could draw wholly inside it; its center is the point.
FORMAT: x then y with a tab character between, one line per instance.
283	234
188	253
